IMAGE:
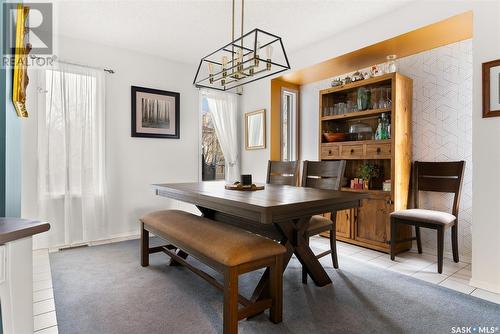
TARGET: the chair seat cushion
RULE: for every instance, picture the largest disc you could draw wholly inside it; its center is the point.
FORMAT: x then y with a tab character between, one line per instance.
425	216
319	224
219	242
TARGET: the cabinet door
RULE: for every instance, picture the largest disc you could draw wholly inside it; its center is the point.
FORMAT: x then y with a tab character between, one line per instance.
344	223
372	221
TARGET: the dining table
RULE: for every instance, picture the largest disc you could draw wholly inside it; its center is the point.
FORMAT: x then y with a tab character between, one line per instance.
279	212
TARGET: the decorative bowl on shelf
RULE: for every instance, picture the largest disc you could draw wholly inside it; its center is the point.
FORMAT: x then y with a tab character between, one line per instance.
334	136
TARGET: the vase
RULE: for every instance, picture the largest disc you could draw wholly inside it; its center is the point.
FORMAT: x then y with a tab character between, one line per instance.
363	98
366	184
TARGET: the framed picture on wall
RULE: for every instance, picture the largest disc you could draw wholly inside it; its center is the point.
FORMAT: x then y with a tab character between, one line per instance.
491	88
155	113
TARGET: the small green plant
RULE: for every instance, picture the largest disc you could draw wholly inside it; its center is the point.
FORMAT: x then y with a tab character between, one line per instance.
368	171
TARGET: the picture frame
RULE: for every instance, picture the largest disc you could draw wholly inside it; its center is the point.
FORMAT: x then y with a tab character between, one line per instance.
255	130
491	88
20	78
155	113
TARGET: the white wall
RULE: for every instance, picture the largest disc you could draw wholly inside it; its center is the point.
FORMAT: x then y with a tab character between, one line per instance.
257	96
132	163
486	156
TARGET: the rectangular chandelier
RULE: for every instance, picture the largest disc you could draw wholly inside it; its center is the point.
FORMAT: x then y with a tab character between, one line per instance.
253	56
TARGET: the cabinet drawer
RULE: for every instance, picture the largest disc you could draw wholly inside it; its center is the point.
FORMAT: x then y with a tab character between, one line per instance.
351	151
382	150
330	152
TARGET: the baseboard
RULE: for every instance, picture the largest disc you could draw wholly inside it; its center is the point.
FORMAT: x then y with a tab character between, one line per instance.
110	240
485	286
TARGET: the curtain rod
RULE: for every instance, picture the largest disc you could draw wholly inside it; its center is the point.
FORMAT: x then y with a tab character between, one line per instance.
55	58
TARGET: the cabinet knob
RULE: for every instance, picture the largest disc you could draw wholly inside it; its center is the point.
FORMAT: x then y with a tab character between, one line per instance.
378	150
352	150
330	152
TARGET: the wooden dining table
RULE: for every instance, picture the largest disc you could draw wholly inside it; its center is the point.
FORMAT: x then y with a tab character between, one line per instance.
279	212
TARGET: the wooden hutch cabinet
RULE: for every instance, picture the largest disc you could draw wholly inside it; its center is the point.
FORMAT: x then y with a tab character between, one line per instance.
369	226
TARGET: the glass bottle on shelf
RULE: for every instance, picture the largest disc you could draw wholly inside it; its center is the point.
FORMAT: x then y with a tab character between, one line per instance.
379	130
383	128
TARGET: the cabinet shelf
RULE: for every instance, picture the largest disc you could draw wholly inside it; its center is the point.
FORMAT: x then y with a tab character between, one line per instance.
358	142
365	82
356	114
369	225
368	191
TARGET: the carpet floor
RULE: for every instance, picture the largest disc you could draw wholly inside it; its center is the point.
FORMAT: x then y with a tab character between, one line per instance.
104	290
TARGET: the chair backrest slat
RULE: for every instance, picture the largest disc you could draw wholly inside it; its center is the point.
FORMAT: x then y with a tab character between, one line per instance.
323	174
445	177
283	172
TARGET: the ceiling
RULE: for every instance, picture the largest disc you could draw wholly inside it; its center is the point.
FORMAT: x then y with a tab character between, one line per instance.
186	30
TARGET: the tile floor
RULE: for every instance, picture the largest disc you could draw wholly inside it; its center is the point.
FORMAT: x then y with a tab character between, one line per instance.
455	276
44	311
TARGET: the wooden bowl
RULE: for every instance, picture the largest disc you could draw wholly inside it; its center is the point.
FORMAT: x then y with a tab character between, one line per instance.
334	136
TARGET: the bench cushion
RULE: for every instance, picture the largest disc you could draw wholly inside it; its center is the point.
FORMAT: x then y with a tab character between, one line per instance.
217	241
425	216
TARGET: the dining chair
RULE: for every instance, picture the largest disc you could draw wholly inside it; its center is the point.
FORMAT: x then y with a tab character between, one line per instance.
323	175
444	177
283	172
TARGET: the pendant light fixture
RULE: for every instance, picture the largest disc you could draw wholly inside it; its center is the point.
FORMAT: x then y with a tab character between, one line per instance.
253	56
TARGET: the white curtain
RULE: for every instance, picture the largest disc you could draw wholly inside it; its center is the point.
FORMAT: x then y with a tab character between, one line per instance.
71	145
223	108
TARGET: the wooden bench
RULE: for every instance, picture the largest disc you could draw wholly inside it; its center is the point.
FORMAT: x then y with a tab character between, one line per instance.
227	249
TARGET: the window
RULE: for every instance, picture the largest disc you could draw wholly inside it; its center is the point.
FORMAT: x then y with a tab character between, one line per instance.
71	134
289	125
212	159
71	154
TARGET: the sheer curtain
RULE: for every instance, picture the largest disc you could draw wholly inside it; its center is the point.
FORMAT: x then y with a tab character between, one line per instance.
71	146
223	108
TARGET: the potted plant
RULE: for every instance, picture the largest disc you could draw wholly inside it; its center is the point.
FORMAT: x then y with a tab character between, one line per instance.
367	172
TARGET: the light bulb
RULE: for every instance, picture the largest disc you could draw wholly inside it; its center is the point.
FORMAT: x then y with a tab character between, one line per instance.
257	52
211	72
224	66
269	51
269	54
250	57
239	56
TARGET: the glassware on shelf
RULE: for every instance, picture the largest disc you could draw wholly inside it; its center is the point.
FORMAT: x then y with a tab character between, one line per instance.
352	103
349	106
390	65
363	98
360	131
326	111
335	109
374	93
382	102
383	98
342	108
388	92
